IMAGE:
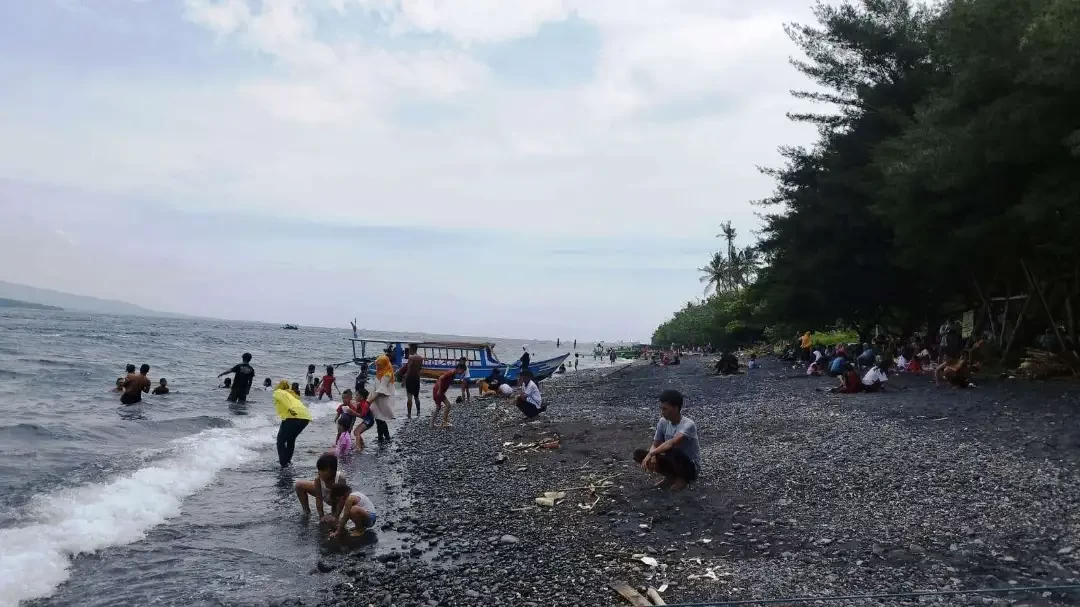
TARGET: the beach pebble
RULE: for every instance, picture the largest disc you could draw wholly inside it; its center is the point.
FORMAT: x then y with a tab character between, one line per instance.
508	539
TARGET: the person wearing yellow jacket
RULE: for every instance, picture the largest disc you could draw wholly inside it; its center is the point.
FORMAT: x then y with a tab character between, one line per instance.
294	418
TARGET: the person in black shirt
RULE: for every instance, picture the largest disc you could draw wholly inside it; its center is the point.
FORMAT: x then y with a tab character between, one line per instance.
524	358
244	374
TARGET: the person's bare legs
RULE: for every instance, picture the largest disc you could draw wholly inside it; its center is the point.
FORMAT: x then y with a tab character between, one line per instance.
303	490
408	405
435	413
361	518
446	416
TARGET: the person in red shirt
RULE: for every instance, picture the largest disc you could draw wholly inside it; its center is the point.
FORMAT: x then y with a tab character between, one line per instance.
326	387
438	394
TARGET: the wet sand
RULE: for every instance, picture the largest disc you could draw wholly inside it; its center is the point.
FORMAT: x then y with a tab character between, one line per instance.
802	493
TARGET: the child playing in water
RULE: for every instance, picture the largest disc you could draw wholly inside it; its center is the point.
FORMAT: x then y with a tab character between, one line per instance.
162	388
327	476
311	382
344	442
367	418
354	506
296	389
267	383
326	388
119	385
346	415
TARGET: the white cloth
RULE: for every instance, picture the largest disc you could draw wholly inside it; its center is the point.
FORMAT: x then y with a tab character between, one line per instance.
874	375
505	389
532	394
817	355
901	363
365	502
339	478
380	401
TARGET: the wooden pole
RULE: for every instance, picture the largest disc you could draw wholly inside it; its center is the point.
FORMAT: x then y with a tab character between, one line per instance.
1005	316
1053	323
1016	329
986	304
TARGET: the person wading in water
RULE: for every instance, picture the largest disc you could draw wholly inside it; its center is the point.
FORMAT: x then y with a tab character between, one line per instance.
244	375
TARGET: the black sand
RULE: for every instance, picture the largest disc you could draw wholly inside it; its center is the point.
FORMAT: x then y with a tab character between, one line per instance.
801	493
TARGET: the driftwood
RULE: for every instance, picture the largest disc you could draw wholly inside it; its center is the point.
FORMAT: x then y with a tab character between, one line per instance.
630	594
655	596
1040	364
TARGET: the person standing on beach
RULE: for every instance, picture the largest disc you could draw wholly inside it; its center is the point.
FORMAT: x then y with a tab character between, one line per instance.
524	360
244	375
411	372
135	385
438	394
380	404
575	344
557	342
675	451
577	357
294	418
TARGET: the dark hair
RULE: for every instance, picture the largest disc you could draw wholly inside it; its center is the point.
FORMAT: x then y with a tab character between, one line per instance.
339	491
672	397
163	381
311	368
130	368
144	369
327	461
362	392
527	373
329	369
246	357
460	400
413	347
227	382
267	381
296	386
349	392
462	366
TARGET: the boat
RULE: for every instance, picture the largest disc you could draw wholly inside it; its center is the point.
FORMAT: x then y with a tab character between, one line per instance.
442	356
291	328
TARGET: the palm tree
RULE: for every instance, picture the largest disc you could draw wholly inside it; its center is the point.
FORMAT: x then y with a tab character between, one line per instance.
717	274
734	271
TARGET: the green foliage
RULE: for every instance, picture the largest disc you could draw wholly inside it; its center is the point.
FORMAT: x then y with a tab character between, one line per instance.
948	151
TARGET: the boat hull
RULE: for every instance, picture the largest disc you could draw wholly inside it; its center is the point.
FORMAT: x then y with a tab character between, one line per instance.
542	369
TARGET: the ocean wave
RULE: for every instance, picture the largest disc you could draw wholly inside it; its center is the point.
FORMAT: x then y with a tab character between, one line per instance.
36	557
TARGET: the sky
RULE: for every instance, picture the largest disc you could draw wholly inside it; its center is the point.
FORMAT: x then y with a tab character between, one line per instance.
527	168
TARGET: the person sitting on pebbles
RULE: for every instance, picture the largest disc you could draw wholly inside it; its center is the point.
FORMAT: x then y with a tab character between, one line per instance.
675	452
529	400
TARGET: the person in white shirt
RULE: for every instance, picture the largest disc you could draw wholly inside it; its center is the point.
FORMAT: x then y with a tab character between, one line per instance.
875	379
529	400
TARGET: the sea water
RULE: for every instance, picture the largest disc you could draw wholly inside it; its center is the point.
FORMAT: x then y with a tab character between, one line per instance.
180	499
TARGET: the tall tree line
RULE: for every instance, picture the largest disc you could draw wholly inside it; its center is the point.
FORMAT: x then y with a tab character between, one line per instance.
946	175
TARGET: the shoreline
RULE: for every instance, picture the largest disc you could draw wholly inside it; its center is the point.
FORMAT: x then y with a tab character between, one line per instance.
801	493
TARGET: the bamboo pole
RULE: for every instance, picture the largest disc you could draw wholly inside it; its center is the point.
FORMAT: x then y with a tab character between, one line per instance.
1046	307
986	304
1016	329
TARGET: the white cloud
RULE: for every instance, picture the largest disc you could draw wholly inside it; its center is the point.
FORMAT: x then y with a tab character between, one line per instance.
316	114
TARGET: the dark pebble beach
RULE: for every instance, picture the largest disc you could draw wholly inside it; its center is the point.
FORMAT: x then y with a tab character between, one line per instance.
802	493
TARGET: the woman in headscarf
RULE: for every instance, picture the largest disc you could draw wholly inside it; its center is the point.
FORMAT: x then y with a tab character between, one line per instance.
294	418
381	396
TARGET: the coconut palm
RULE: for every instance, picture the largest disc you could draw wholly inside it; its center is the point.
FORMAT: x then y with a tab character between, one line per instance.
717	274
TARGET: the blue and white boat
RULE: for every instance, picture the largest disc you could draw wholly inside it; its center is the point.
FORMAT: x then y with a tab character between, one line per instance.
442	356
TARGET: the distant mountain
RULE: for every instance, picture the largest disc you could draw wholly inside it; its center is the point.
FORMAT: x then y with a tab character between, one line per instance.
69	301
15	303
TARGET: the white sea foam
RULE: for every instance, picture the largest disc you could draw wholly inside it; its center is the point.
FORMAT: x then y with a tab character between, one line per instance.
36	557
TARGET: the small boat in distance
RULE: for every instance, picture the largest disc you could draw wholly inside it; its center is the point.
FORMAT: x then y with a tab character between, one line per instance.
442	356
291	328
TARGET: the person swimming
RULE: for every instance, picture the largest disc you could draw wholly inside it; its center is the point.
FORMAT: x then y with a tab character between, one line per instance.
135	385
267	383
119	385
162	387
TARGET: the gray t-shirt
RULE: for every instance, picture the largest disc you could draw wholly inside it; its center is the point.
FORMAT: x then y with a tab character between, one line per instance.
666	431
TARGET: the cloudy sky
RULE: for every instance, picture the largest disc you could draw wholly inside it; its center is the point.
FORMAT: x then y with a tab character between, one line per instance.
529	168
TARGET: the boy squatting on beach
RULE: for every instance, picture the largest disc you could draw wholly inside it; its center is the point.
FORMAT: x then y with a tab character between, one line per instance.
438	394
326	477
675	451
354	506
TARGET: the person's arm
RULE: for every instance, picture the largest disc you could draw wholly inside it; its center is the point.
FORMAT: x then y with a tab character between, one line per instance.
343	519
224	373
